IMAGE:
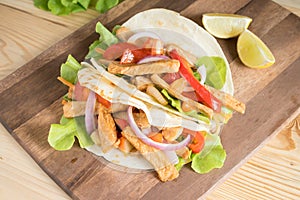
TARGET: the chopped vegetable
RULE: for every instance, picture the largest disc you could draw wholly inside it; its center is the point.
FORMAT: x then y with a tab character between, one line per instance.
62	136
66	7
90	113
147	140
105	40
135	55
215	70
69	69
197	142
205	96
212	156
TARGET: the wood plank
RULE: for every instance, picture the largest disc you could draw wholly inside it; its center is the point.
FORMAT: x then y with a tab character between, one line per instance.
86	171
19	174
241	135
286	51
272	172
18	38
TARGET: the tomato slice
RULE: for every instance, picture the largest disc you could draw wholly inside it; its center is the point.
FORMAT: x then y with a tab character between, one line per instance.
103	101
197	143
116	50
203	94
135	55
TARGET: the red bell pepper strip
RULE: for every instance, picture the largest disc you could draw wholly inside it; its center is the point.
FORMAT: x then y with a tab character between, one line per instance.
202	93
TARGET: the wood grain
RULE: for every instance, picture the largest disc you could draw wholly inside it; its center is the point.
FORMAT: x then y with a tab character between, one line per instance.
24	34
273	171
277	84
16	181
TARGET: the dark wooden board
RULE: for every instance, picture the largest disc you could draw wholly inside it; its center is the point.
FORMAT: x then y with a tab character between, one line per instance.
30	102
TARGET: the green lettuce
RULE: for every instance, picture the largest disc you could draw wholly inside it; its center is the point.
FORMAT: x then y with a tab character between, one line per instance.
103	5
105	40
66	7
62	136
69	69
215	70
176	103
212	156
182	161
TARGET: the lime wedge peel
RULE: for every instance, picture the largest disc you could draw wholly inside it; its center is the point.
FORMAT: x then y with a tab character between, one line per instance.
253	52
225	26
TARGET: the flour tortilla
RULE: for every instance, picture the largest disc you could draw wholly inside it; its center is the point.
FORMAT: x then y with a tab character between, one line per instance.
172	28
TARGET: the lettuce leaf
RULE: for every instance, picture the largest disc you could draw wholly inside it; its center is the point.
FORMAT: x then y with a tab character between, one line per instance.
103	5
62	136
66	7
212	156
215	70
69	69
58	8
106	39
176	103
41	4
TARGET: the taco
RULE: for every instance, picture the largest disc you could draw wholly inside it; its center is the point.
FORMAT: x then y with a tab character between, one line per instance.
151	95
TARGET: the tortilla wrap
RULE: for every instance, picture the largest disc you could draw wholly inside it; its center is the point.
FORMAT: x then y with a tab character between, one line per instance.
172	29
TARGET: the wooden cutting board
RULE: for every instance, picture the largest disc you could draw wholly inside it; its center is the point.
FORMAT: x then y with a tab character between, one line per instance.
30	102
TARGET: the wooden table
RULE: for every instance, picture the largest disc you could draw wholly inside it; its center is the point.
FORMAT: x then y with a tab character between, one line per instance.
270	172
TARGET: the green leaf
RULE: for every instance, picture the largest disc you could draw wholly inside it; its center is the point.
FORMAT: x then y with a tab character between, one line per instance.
84	3
68	3
212	156
104	5
41	4
176	103
196	115
92	52
106	36
69	69
57	8
64	7
62	136
106	39
83	137
182	161
215	70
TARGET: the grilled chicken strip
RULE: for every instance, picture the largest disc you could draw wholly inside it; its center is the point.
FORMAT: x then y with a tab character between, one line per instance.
157	67
107	131
227	100
164	168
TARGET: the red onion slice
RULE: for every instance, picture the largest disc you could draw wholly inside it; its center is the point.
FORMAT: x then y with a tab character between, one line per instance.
202	71
150	142
89	112
143	34
153	58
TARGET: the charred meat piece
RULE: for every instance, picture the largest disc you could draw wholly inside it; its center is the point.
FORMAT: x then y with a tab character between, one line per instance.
166	171
107	131
157	67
